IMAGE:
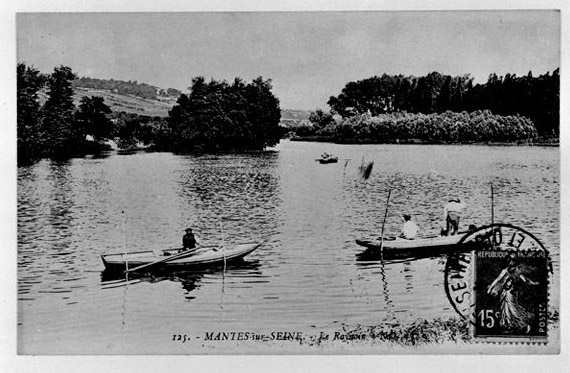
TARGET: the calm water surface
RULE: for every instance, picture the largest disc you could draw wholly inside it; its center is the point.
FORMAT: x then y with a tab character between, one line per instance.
307	276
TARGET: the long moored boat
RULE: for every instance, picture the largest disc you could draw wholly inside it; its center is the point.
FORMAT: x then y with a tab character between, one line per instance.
204	256
420	247
393	243
328	160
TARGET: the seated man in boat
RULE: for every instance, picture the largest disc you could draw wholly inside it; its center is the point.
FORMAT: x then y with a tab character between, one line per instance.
409	229
189	241
452	214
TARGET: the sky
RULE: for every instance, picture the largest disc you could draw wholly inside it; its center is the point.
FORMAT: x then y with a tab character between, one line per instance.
309	56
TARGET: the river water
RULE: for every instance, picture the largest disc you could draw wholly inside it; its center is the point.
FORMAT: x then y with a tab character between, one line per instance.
307	276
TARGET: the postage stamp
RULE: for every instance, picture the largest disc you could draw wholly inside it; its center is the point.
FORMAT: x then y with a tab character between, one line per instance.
501	285
511	295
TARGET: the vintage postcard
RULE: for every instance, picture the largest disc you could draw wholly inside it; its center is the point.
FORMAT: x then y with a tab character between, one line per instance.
288	182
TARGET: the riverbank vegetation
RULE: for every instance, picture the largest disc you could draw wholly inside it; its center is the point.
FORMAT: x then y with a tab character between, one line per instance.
441	109
215	116
418	333
448	127
57	128
218	116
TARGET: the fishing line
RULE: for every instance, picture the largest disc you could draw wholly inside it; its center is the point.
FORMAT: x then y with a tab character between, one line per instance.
124	220
223	247
344	170
124	306
384	221
224	268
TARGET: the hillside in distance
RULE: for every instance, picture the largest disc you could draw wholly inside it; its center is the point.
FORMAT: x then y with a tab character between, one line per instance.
159	107
118	102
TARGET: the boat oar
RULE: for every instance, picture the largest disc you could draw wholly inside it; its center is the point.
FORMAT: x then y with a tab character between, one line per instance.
384	222
167	259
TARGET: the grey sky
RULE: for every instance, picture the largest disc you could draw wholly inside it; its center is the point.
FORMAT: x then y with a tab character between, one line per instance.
308	55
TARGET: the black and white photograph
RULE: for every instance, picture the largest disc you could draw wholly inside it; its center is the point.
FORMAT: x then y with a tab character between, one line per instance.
287	181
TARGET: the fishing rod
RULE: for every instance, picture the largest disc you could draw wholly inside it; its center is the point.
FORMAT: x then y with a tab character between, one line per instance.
125	242
223	245
384	221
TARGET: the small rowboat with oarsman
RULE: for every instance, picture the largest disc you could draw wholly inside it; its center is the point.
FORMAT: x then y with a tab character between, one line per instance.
173	258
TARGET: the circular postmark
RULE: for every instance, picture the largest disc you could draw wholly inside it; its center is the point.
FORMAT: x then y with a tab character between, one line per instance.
499	282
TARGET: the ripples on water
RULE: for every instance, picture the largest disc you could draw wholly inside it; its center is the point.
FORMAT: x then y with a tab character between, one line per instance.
309	272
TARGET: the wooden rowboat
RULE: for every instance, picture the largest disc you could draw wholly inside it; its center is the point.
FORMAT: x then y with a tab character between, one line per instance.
328	160
394	243
203	257
422	247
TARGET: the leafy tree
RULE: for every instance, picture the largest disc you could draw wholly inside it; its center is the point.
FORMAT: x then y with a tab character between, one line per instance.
29	82
61	138
320	119
218	115
92	117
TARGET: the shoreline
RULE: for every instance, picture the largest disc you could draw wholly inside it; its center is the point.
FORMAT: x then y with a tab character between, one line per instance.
422	142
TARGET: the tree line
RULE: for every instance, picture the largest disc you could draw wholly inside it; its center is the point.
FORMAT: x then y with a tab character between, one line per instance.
448	127
141	90
215	115
57	128
537	98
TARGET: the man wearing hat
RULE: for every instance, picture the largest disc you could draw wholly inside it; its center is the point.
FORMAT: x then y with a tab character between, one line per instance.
409	229
452	214
189	241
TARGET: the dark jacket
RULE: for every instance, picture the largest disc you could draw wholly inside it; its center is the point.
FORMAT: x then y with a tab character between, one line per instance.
189	241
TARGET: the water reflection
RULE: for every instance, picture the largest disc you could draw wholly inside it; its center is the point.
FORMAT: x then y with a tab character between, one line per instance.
238	193
310	271
372	256
61	201
190	279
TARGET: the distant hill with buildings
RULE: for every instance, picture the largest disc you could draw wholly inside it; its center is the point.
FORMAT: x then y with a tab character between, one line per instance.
144	99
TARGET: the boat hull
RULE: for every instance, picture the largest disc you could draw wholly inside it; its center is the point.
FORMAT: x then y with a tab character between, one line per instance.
203	257
422	247
404	244
328	160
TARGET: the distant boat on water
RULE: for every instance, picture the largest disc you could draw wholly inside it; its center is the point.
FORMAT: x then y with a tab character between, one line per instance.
327	158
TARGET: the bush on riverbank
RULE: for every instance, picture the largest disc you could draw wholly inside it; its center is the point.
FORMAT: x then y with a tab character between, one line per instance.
419	332
447	127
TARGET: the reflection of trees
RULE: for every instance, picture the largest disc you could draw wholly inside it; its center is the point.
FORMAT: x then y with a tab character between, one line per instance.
190	279
61	204
45	223
241	189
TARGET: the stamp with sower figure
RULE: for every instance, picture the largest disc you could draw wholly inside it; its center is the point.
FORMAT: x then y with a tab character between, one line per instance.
501	285
511	294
